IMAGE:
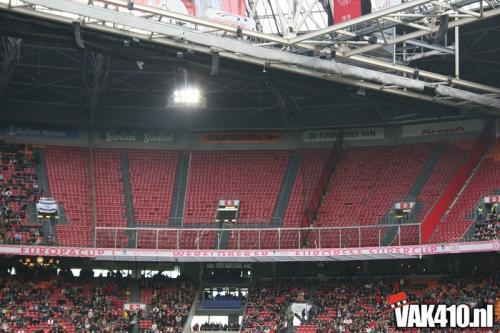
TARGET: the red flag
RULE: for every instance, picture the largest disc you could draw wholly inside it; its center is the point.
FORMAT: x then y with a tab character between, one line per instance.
396	300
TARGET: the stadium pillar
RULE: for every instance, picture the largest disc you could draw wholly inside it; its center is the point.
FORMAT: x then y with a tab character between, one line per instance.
456	265
366	267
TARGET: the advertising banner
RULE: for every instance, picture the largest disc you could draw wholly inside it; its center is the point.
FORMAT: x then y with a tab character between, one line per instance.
142	137
37	132
361	253
329	135
240	138
443	128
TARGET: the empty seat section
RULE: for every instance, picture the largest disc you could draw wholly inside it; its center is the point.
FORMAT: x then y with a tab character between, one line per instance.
152	175
311	166
109	198
67	170
485	181
253	177
366	183
450	161
452	158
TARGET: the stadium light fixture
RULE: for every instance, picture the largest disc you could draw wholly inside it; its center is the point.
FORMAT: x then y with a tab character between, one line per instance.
187	97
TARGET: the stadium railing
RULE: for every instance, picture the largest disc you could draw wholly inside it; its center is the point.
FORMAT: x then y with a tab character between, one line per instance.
256	238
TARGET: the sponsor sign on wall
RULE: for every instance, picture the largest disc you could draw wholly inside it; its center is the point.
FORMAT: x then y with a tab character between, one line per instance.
329	135
38	132
443	128
143	137
240	138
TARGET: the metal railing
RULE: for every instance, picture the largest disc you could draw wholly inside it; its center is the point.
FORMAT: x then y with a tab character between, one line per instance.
256	237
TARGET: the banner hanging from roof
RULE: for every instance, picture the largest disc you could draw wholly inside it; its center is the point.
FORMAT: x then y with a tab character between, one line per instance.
345	10
443	128
230	12
329	135
240	138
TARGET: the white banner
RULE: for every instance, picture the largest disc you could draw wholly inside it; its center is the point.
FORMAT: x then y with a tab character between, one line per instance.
297	308
326	254
493	199
134	306
450	127
329	135
46	206
404	205
383	4
223	17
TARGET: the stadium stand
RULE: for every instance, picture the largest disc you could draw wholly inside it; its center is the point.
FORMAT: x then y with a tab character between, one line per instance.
46	302
268	301
363	188
360	192
56	304
68	173
311	166
453	156
485	181
108	196
368	181
357	305
171	303
152	175
254	177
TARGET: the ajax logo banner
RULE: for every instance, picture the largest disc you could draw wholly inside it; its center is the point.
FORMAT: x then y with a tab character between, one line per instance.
412	315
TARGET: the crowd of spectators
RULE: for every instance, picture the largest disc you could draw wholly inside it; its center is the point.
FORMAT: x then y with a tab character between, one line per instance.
18	191
171	304
60	304
224	297
343	306
487	228
267	302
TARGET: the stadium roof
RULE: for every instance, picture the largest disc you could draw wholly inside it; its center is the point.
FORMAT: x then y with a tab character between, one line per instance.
120	80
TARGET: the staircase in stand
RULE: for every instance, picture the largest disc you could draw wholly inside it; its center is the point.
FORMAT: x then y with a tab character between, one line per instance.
179	191
127	191
286	190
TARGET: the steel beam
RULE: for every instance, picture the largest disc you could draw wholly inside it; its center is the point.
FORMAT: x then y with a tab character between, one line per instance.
230	45
421	33
246	52
358	20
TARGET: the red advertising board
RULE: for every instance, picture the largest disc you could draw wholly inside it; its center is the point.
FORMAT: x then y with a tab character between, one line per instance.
345	10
